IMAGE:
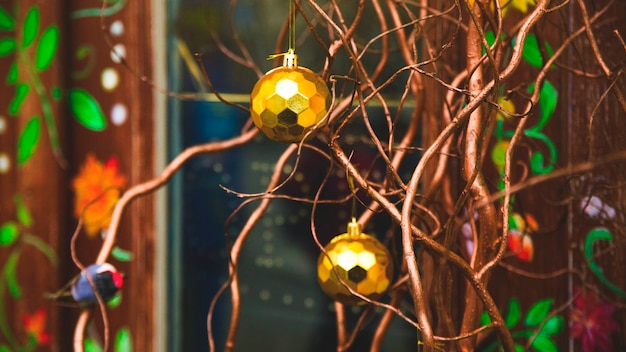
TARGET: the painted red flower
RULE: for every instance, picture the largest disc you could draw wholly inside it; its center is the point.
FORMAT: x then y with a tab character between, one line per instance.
35	325
97	189
519	241
591	321
521	244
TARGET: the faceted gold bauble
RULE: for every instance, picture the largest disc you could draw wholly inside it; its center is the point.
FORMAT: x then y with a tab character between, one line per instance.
361	261
288	102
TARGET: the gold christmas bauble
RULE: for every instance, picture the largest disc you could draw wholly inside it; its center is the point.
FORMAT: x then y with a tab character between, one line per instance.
288	101
361	261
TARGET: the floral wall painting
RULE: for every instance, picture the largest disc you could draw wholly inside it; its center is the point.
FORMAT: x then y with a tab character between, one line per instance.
478	141
538	316
14	236
47	173
97	188
592	321
35	326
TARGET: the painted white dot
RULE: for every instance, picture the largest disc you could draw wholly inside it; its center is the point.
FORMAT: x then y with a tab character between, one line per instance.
117	28
110	78
118	52
218	167
3	124
119	114
5	163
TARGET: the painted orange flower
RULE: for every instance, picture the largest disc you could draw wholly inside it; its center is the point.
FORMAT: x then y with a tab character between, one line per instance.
97	189
35	325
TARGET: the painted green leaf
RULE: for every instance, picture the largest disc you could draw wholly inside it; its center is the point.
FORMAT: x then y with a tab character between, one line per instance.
538	312
31	26
121	254
485	319
123	341
491	38
553	326
531	53
56	93
21	92
6	22
8	233
543	344
115	301
537	164
23	214
42	246
548	98
86	109
47	48
27	142
537	158
513	314
519	348
599	234
7	46
91	345
10	274
4	348
13	74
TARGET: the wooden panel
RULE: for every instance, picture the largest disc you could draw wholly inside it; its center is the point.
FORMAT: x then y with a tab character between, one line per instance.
45	131
127	137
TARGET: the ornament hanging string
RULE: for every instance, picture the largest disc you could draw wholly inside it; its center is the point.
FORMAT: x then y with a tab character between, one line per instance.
291	35
353	189
292	27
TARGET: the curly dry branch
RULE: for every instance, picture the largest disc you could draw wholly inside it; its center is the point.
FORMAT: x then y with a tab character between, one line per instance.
143	189
475	135
610	75
404	218
236	249
432	245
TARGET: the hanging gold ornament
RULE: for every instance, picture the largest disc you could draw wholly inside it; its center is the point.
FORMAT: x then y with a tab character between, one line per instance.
360	260
289	101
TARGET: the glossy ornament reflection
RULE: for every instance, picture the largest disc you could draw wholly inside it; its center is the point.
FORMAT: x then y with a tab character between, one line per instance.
289	101
361	261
